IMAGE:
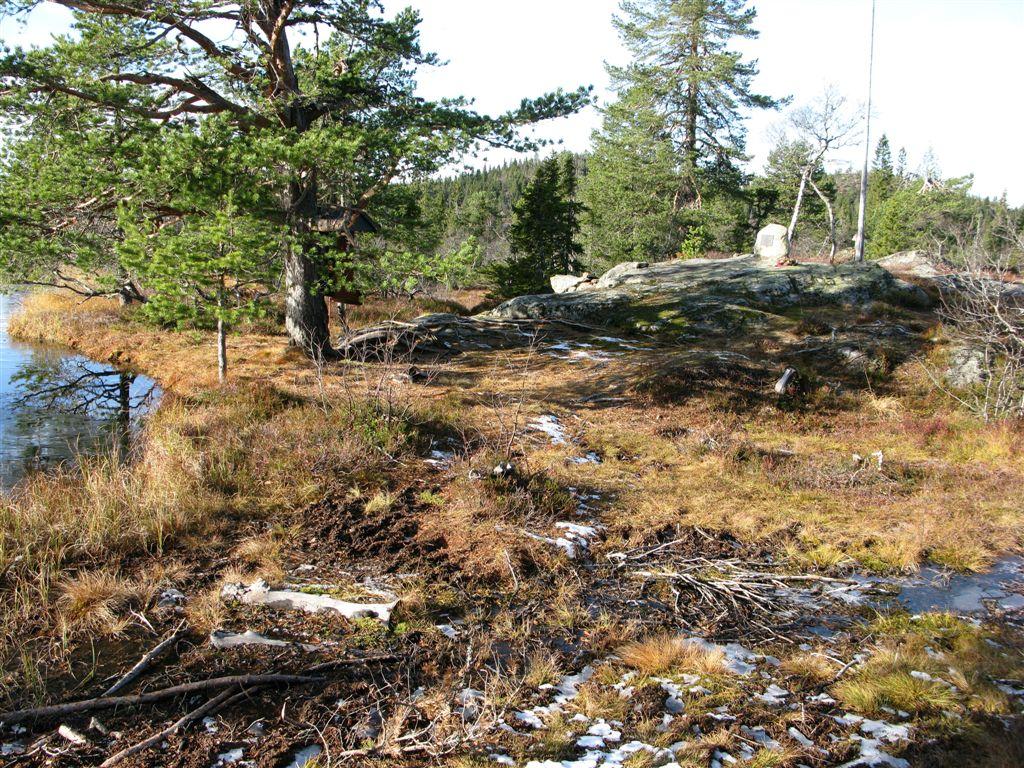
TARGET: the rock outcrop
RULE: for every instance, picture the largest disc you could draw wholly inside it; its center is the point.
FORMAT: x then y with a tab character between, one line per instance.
570	283
654	296
683	297
920	264
967	367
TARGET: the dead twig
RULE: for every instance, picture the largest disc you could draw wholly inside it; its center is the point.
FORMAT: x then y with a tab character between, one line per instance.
350	662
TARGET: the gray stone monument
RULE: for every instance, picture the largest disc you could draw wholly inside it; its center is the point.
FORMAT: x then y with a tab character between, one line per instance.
772	243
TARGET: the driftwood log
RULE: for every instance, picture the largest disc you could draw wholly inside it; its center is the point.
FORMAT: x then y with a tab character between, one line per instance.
433	336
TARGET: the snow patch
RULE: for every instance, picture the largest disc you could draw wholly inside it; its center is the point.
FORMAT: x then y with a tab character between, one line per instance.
304	756
551	427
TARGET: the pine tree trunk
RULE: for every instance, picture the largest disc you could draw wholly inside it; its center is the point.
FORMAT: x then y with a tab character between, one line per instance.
306	318
222	341
127	293
692	107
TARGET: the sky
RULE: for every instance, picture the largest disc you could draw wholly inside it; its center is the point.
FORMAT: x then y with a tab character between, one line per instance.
947	72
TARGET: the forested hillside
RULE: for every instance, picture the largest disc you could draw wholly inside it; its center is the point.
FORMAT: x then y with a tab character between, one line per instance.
474	204
907	209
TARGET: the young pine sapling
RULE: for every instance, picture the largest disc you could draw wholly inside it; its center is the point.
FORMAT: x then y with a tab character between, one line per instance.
215	268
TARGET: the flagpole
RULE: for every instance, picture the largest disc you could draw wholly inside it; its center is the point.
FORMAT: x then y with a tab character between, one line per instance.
862	213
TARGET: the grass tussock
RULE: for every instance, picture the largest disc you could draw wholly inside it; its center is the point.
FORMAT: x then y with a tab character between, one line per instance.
670	654
595	702
933	664
808	669
896	690
542	668
98	601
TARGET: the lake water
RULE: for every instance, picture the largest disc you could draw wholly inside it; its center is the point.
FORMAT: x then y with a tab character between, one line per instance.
55	404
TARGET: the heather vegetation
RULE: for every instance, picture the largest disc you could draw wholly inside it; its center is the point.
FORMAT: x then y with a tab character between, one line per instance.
403	504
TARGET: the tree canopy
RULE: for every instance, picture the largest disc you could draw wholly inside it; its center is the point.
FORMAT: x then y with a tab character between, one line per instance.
319	95
631	190
687	73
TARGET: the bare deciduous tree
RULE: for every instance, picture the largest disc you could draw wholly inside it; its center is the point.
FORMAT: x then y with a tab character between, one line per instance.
822	126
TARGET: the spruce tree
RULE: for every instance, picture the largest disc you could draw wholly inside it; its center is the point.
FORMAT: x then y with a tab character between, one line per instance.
881	187
632	186
543	232
883	155
901	164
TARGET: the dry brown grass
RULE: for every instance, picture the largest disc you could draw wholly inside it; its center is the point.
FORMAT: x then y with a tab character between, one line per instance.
665	653
265	553
482	522
184	363
809	669
219	466
542	668
925	499
595	701
81	548
946	479
206	611
98	601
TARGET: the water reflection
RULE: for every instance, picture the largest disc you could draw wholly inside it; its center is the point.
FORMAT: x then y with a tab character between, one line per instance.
55	405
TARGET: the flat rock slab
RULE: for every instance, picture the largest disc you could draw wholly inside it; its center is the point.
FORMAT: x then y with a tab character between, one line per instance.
928	269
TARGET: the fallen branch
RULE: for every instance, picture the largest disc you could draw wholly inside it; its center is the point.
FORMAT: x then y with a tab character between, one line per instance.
173	728
143	664
135	700
811	577
385	751
351	662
